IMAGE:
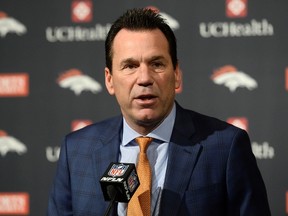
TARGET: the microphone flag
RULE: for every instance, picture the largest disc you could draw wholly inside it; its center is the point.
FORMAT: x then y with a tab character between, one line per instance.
120	180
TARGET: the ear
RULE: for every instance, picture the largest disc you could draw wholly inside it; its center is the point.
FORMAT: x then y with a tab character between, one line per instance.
178	79
109	81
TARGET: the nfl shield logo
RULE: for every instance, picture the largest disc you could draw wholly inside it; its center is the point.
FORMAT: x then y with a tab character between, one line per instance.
117	170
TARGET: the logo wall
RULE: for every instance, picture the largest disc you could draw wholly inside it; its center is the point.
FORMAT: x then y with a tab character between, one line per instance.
14	85
236	9
53	152
263	150
260	150
78	124
232	78
10	144
14	204
171	21
10	25
81	12
78	82
240	122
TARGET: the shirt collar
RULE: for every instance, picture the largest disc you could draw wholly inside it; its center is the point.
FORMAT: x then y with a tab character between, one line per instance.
162	132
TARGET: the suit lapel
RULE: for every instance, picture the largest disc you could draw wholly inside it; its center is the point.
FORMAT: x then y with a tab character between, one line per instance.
183	154
107	148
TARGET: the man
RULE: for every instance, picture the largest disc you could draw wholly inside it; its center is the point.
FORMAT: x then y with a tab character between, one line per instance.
200	165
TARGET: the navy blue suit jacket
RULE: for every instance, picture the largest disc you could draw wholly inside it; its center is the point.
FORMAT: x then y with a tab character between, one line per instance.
211	170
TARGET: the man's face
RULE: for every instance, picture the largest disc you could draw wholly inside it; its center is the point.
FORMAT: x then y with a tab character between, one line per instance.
142	77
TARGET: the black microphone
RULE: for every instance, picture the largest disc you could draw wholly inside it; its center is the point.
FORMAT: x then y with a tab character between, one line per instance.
118	183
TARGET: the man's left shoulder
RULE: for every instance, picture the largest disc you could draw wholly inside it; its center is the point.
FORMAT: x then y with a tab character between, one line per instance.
208	124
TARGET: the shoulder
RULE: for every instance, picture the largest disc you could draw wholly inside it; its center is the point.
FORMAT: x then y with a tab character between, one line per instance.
201	120
207	126
97	130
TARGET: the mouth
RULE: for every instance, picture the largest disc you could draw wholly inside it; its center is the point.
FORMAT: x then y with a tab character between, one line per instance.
146	99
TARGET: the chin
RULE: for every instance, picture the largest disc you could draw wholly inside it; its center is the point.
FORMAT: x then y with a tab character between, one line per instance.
149	121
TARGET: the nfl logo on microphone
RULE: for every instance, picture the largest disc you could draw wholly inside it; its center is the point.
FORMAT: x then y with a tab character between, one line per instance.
117	170
122	178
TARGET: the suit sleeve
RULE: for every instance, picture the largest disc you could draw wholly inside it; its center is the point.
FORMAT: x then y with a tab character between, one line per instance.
60	202
246	190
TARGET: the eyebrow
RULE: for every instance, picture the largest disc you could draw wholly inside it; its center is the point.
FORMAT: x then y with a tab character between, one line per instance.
160	57
128	60
131	60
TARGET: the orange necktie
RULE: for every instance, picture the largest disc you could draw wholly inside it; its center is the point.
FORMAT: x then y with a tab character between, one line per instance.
139	205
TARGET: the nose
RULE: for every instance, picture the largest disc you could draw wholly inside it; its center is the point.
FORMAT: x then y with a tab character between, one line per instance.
145	77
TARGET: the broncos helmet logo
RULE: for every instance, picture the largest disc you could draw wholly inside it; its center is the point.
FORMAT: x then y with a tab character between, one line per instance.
230	77
10	25
172	22
10	144
76	81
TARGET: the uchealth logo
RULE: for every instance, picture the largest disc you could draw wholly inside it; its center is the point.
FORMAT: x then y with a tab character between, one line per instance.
240	122
82	11
14	84
78	124
254	28
171	21
236	8
52	153
14	203
232	78
263	150
78	82
10	25
10	144
235	29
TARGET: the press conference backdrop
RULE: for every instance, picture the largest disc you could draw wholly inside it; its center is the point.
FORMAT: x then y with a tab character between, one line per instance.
233	56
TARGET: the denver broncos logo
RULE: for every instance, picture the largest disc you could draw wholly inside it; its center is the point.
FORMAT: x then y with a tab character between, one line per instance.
172	22
9	24
10	144
230	77
76	81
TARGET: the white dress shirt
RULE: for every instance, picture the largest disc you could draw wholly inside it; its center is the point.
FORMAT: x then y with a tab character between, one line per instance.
157	154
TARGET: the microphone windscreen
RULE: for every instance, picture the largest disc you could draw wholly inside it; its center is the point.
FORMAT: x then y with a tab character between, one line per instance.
120	179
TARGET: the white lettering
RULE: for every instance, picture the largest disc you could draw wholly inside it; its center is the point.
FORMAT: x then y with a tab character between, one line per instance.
263	151
52	153
77	33
233	29
111	179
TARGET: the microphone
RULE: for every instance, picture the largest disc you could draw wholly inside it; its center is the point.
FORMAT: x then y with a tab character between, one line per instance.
118	183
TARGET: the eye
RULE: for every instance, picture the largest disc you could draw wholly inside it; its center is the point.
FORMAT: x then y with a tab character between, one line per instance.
129	66
158	66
